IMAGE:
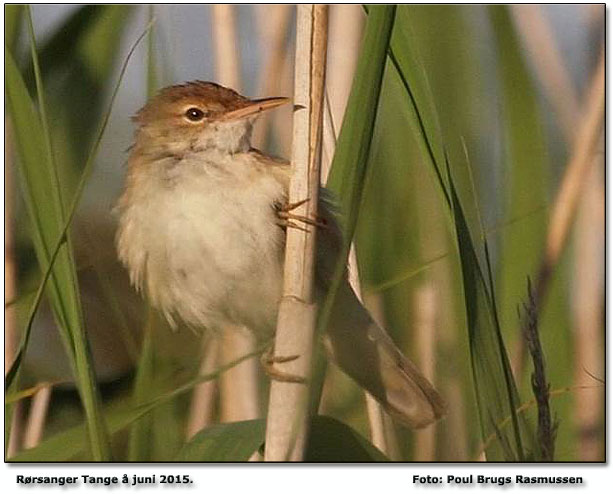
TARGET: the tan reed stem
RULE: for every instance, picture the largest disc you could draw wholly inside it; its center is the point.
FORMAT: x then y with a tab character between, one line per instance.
273	23
287	423
37	417
587	305
576	173
426	307
202	406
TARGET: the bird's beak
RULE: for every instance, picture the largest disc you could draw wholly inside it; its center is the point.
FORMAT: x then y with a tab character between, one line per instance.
254	107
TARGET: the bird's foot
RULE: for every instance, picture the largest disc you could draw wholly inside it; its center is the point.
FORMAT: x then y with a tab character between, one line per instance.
285	217
285	224
268	360
290	206
319	222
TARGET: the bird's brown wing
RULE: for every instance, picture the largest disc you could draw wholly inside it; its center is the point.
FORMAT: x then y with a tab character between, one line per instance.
365	352
362	349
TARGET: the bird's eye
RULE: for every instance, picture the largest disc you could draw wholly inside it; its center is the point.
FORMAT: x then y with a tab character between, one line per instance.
195	114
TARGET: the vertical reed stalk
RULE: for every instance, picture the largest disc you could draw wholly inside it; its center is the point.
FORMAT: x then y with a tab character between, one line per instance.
588	281
39	407
426	309
576	173
238	385
282	131
227	61
273	26
203	398
346	29
287	423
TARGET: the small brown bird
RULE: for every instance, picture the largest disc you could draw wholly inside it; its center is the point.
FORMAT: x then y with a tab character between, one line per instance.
199	232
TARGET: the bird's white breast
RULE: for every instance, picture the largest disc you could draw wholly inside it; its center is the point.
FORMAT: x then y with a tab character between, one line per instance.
200	235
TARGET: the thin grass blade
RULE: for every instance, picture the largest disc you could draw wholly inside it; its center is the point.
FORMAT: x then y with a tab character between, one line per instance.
44	204
31	155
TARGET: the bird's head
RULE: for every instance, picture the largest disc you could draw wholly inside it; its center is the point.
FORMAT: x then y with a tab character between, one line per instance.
198	116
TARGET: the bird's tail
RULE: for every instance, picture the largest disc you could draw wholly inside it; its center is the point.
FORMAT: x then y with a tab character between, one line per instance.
366	353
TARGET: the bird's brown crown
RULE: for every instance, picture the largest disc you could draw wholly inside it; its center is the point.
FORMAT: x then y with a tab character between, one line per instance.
208	96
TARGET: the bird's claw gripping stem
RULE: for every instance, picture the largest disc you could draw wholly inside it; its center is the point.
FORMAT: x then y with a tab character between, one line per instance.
285	224
290	206
268	360
319	222
283	212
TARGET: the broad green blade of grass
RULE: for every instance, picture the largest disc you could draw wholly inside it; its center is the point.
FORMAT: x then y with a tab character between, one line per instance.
42	196
234	441
329	441
453	84
349	167
495	389
388	236
348	170
404	241
419	101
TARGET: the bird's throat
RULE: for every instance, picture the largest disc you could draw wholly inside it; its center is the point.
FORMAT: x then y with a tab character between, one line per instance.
228	137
